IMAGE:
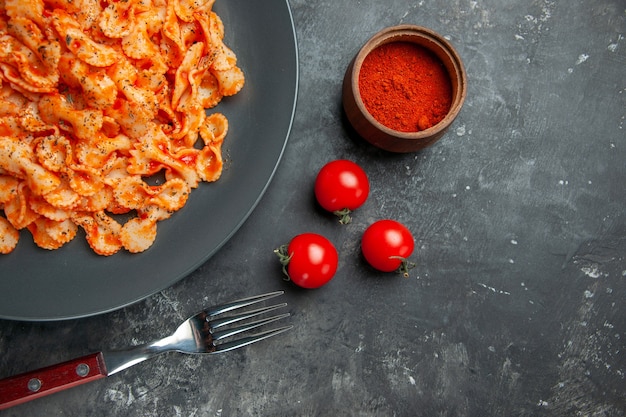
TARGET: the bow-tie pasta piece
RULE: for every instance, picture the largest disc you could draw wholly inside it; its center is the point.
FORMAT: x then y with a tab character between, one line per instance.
9	236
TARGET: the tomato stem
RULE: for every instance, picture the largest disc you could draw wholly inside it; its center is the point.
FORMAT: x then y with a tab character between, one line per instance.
405	266
344	215
284	257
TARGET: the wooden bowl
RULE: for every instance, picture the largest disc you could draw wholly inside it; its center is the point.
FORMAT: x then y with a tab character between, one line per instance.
371	129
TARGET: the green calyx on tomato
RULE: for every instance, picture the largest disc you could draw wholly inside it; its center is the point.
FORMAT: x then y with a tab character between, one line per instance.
344	215
284	257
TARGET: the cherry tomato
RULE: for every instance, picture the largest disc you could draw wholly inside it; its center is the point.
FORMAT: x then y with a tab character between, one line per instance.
386	245
340	187
309	260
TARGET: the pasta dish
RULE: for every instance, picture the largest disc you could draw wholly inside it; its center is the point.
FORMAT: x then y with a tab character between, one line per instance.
97	99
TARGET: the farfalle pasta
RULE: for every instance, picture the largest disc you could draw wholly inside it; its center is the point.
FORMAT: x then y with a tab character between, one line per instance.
98	96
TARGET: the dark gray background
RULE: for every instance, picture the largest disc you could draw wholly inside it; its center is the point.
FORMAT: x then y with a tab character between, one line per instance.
516	306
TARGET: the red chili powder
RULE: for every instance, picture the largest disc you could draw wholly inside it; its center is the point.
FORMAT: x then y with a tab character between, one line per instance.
405	86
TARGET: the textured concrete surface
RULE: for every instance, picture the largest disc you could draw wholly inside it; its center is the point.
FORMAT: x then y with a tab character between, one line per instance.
516	306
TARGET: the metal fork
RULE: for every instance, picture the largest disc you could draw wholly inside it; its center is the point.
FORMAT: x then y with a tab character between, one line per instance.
209	331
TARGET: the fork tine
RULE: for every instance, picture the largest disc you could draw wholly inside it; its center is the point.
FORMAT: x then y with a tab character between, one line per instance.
248	326
235	344
243	319
221	322
244	302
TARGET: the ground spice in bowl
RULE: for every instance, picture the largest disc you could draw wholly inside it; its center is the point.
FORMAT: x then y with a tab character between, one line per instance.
405	86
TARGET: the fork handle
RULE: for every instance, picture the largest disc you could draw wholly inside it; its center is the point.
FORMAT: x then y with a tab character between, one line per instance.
21	388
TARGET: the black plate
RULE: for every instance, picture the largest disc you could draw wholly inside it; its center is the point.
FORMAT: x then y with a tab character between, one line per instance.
73	282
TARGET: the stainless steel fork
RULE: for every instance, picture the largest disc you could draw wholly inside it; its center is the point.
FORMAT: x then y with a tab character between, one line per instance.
210	331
